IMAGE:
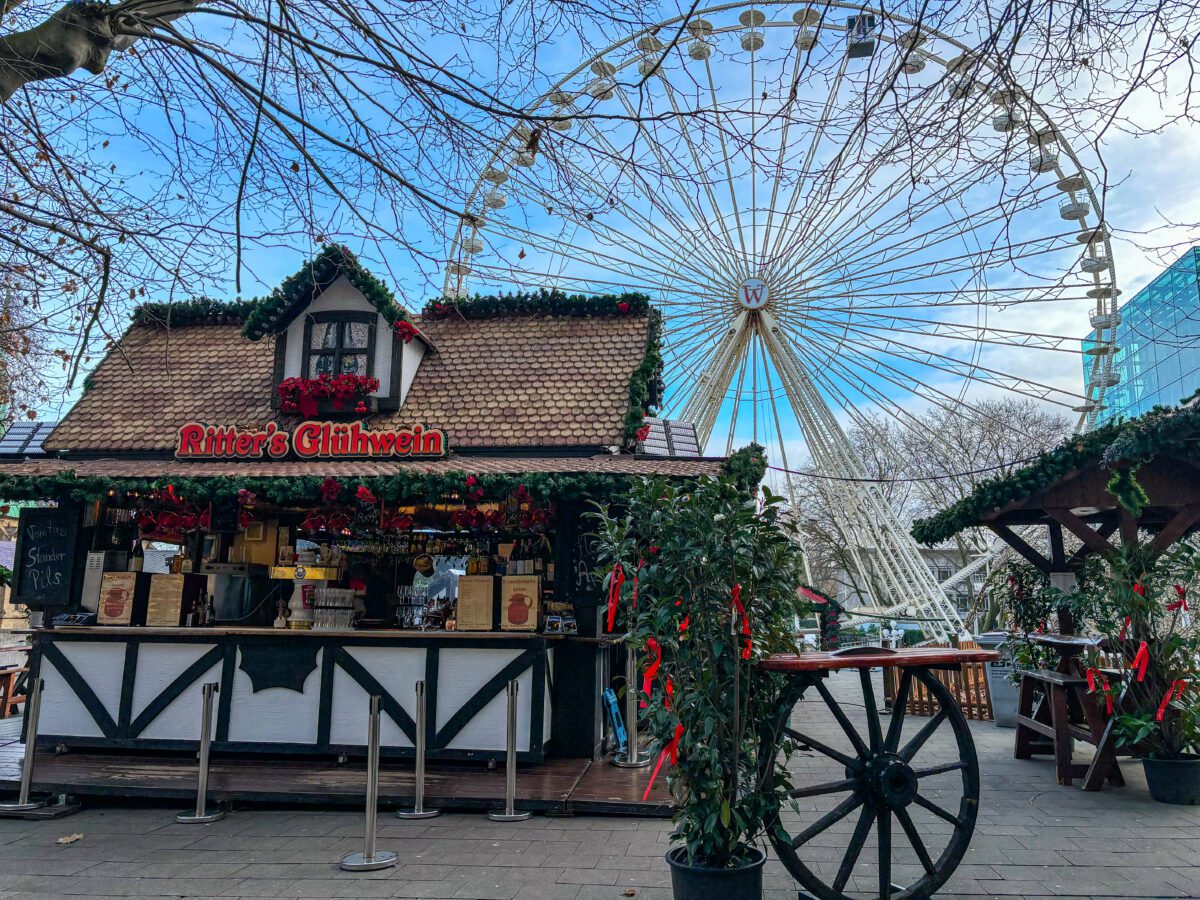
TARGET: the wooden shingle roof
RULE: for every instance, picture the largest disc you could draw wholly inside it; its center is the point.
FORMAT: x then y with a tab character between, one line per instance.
507	382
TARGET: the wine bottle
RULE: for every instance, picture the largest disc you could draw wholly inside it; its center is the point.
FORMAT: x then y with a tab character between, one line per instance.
137	558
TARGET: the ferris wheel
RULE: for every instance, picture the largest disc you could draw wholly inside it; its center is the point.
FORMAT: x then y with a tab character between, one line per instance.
841	213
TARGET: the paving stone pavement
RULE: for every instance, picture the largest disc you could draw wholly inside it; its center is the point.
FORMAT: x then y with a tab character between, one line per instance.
1033	839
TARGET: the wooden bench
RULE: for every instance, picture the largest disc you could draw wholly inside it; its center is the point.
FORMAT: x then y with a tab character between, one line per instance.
10	700
1069	712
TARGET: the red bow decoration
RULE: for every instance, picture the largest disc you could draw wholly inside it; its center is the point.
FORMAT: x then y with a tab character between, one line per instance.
1140	660
314	521
642	433
1181	603
813	595
672	748
651	670
364	494
616	580
740	610
1175	690
1091	681
623	307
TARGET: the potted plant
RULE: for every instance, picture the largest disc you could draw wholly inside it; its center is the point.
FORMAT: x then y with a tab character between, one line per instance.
1148	624
1025	603
705	578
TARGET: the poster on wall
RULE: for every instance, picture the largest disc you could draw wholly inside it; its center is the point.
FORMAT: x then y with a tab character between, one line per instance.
519	602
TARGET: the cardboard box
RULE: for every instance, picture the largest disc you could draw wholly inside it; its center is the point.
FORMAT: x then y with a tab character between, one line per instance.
519	599
475	603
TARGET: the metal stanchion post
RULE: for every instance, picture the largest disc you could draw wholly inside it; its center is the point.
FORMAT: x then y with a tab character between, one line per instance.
201	815
510	814
33	706
419	811
632	758
370	858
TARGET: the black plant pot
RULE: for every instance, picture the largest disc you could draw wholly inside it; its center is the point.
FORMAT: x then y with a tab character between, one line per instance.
690	882
1174	780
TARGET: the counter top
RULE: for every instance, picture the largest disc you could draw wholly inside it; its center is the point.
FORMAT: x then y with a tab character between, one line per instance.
221	630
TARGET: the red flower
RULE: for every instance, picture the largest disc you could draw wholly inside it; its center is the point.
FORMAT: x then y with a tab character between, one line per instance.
472	481
623	307
643	433
406	331
364	494
330	489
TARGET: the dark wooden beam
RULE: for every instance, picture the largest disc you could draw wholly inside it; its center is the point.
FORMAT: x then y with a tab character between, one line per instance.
1091	538
1129	527
1014	540
1177	526
1058	556
1105	530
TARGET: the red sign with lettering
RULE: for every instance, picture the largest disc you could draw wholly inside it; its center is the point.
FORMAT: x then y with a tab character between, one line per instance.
308	440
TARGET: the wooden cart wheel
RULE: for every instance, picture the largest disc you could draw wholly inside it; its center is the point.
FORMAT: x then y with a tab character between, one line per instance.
885	783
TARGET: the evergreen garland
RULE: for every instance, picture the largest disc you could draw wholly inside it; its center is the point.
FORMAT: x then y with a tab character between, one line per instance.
644	384
1121	445
333	261
538	303
400	487
197	311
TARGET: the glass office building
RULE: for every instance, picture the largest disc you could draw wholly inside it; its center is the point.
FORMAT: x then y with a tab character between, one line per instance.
1158	340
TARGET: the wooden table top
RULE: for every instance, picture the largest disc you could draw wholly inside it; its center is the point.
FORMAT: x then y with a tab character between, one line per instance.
916	656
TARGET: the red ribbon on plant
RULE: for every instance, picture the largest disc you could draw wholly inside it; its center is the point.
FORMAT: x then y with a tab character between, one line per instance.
1181	603
1124	627
1091	681
641	562
1175	690
740	610
1139	590
616	580
652	646
671	749
1141	660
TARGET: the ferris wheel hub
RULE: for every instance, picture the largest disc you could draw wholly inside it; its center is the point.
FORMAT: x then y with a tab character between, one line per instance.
753	293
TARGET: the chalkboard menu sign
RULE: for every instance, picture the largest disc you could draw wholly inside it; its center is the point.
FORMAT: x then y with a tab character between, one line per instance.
45	556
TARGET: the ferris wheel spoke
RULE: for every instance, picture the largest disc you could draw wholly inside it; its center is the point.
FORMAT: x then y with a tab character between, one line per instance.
737	210
972	371
718	256
961	331
924	241
645	189
964	263
707	395
694	279
622	237
685	130
827	227
828	212
809	157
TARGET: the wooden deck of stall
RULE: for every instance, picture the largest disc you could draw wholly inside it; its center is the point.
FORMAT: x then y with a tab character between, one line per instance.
556	787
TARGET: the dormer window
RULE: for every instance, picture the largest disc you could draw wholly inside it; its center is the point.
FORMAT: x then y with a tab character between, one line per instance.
339	343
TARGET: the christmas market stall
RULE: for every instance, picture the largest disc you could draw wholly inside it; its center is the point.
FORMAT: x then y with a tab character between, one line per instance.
313	498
